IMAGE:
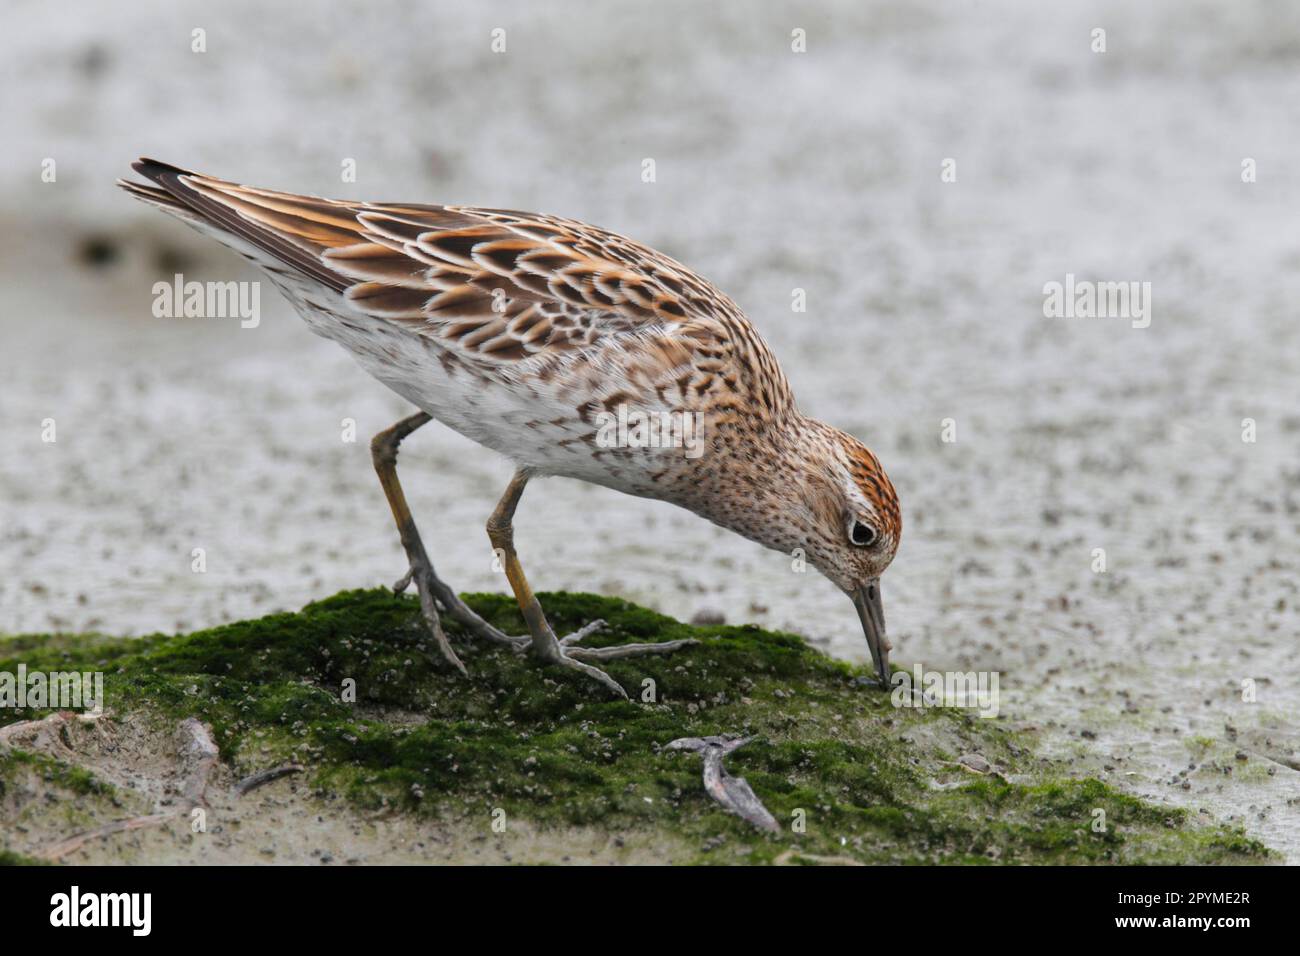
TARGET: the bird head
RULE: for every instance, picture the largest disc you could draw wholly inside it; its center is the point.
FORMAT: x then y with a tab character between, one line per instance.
853	526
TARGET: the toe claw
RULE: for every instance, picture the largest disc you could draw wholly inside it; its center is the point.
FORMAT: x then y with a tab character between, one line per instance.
612	685
595	627
450	657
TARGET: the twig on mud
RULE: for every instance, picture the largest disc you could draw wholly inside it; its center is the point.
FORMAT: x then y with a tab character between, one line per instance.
50	727
263	777
199	751
64	847
732	792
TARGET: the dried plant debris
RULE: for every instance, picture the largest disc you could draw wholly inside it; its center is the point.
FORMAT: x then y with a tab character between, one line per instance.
197	751
263	777
734	793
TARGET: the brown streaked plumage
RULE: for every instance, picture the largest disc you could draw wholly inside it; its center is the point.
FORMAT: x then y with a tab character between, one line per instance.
534	335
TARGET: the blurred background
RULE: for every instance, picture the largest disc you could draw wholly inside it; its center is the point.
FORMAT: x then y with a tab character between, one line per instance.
775	171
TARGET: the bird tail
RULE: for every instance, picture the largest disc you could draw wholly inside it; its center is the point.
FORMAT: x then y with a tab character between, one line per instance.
153	194
293	230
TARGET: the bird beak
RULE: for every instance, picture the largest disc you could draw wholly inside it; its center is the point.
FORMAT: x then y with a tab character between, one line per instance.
872	614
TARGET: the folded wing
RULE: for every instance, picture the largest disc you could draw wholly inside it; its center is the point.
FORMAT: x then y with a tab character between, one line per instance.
493	284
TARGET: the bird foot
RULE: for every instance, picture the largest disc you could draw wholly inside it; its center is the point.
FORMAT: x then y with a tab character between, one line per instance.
565	652
424	586
449	602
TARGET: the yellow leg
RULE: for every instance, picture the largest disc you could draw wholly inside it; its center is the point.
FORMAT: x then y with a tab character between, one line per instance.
432	590
546	645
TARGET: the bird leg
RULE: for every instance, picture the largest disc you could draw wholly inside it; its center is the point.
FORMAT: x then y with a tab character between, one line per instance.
432	590
545	644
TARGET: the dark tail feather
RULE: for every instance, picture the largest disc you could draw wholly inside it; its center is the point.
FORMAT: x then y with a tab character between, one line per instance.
155	170
151	194
176	195
165	175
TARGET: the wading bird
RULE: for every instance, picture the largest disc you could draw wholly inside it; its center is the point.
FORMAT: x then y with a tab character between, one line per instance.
527	333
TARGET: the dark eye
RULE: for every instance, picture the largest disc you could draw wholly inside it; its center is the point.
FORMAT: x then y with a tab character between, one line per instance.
862	535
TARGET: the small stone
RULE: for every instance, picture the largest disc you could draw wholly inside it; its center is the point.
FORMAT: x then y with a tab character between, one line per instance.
974	763
708	617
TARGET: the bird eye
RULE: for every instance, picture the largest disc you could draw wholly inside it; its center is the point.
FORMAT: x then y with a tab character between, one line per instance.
862	535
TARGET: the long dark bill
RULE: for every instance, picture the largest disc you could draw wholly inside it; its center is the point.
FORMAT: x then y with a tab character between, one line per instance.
872	614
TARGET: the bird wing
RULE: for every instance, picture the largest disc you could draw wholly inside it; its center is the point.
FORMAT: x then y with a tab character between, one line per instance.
494	285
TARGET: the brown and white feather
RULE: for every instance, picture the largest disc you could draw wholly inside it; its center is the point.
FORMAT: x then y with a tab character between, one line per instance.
518	328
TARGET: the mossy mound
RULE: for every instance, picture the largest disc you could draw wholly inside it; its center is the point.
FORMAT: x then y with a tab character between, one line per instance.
846	774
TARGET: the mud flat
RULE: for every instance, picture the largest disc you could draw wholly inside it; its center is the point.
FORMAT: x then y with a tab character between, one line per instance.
373	753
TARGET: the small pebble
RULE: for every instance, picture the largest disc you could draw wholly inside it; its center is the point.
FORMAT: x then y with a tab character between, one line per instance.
708	617
974	763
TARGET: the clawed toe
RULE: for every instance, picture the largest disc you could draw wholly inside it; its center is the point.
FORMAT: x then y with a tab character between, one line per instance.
586	630
619	651
424	585
563	658
565	653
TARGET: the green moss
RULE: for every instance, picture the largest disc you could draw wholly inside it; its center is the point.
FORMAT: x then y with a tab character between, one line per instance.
8	858
55	772
866	780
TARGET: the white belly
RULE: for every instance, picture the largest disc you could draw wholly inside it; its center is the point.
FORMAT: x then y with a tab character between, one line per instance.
532	425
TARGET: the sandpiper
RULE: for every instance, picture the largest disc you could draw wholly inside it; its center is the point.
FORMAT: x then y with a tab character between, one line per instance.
532	335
